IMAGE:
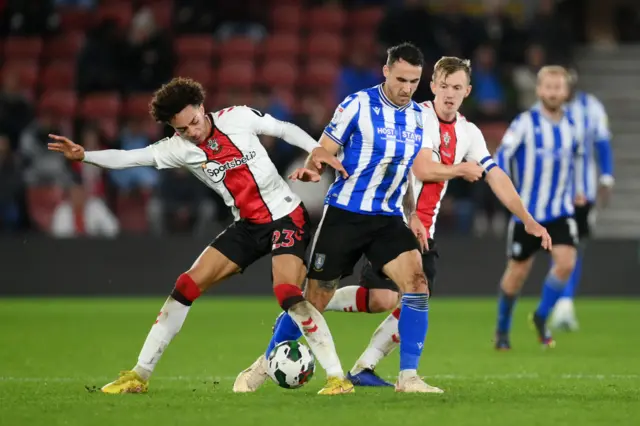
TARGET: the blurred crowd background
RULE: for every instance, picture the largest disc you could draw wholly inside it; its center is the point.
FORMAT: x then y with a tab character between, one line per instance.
86	68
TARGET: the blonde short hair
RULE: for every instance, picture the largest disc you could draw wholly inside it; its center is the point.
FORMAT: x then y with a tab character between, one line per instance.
553	70
448	65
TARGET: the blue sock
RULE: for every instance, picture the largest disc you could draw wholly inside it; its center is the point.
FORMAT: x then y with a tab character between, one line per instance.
574	279
287	329
505	311
551	292
412	327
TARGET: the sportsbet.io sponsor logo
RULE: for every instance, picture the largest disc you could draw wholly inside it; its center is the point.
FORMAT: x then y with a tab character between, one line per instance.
217	171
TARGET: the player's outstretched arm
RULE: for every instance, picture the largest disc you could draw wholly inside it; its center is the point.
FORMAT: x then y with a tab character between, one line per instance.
108	159
502	186
428	170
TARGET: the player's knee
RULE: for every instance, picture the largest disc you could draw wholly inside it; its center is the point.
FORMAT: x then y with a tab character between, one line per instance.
186	290
288	295
418	283
382	300
563	269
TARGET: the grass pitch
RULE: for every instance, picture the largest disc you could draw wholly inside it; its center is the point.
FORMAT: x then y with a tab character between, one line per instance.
50	349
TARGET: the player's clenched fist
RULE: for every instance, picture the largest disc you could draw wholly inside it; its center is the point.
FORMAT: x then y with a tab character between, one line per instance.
71	151
470	171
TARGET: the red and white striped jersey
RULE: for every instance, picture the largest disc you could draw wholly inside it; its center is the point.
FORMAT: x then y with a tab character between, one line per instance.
453	142
233	163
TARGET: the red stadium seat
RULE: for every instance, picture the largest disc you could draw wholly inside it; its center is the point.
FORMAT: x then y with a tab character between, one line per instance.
199	70
108	126
137	106
366	19
162	11
80	20
100	106
324	46
319	74
121	13
238	48
224	99
58	75
131	210
64	47
286	18
279	74
26	71
41	203
363	42
326	19
61	103
236	75
282	46
23	48
194	47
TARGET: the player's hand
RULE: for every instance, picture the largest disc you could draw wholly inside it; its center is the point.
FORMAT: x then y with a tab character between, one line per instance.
534	228
70	150
580	200
320	156
305	175
418	229
470	171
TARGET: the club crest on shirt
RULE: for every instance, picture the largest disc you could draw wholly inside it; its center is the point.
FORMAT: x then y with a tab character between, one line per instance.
336	116
446	138
214	146
419	119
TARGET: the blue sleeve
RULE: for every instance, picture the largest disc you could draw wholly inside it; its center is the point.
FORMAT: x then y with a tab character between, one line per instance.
605	156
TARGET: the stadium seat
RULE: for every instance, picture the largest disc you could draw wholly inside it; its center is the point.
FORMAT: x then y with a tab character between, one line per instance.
195	47
365	20
62	103
76	20
137	106
363	42
41	204
279	74
23	48
58	75
238	48
162	11
286	19
198	70
121	13
100	106
108	126
224	99
131	210
64	47
326	19
319	74
236	75
27	72
324	46
281	46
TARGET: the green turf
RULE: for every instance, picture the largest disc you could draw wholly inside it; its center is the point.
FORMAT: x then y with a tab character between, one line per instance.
50	349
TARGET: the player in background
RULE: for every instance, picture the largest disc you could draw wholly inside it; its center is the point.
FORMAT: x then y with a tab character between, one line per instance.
461	149
223	151
455	139
592	126
540	151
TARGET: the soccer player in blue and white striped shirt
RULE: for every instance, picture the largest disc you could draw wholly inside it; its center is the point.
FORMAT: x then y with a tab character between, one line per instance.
540	151
592	127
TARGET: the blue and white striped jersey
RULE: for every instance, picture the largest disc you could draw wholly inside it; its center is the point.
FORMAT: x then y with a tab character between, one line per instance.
592	129
379	142
541	156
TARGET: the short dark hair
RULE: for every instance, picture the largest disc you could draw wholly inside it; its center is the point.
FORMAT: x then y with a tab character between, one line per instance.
407	52
173	97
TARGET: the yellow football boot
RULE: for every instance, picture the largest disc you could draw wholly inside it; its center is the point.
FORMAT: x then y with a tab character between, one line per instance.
127	382
336	386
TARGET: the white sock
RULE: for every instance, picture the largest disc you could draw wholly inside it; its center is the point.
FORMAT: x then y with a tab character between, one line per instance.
345	299
168	324
384	340
316	331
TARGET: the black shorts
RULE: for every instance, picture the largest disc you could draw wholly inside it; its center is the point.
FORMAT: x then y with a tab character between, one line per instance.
584	220
343	237
521	246
372	280
244	242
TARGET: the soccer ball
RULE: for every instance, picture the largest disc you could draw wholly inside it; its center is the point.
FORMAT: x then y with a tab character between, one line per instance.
291	364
